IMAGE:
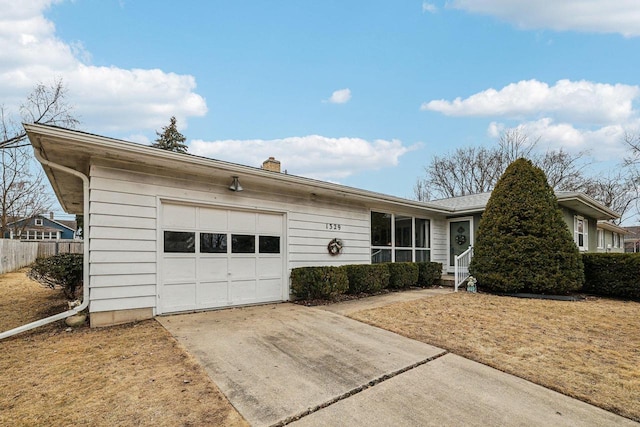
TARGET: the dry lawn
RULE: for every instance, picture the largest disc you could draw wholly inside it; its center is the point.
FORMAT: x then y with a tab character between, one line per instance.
587	349
134	374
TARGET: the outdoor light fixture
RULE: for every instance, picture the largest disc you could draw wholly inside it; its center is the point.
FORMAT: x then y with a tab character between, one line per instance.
235	185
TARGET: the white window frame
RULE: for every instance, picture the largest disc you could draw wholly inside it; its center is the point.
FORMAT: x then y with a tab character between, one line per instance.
393	246
601	238
584	232
38	222
616	240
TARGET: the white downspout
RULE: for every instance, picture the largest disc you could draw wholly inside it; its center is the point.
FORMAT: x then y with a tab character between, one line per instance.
85	264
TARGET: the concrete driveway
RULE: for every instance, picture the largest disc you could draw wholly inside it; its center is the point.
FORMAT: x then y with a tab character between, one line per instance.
284	363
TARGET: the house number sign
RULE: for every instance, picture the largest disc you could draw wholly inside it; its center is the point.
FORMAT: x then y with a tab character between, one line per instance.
332	226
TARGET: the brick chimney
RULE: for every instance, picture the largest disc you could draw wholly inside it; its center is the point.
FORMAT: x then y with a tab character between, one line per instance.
271	164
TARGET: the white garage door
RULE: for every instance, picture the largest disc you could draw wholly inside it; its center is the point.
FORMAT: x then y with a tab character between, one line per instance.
219	258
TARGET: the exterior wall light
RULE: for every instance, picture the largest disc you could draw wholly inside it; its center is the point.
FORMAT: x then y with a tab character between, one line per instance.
235	185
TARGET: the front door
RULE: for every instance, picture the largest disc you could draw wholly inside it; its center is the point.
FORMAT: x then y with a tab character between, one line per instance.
459	238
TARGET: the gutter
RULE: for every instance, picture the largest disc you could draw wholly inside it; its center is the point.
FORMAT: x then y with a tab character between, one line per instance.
85	266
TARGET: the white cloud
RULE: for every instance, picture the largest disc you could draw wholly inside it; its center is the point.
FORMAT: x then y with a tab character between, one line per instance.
313	156
602	144
615	16
576	116
429	7
106	98
341	96
579	101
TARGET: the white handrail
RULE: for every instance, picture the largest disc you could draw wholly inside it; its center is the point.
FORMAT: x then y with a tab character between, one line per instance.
461	267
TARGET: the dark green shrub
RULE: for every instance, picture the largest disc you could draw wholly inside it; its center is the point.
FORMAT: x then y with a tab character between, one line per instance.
402	274
429	273
614	275
368	278
319	282
62	271
523	243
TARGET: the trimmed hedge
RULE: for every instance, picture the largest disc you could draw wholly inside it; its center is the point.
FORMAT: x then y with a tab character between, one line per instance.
402	274
368	278
613	275
319	282
429	273
60	271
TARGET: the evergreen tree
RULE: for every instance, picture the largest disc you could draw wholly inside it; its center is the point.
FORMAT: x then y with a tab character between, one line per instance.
523	243
170	139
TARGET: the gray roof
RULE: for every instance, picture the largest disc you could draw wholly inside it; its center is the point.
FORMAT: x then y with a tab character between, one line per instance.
465	203
579	202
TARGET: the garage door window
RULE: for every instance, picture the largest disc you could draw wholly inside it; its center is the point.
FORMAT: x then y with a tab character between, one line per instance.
243	244
213	243
179	242
269	244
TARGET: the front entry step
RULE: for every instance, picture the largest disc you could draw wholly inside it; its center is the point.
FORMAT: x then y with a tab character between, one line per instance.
448	280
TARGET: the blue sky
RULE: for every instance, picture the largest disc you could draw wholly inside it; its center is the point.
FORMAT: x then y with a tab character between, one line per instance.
354	92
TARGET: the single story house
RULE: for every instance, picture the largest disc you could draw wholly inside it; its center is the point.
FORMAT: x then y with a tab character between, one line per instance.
590	221
170	232
41	227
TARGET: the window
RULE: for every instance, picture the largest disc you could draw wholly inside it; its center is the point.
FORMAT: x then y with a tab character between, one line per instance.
616	240
581	232
269	244
380	229
399	238
179	242
38	221
422	240
600	239
213	243
243	244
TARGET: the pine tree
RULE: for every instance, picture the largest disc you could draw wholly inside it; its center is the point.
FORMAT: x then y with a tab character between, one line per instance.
170	139
523	242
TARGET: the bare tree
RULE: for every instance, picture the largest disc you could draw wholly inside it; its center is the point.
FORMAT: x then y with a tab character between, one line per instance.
473	170
23	193
617	191
46	104
23	190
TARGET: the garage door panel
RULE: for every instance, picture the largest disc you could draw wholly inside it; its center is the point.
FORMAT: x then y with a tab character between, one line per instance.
178	216
269	289
213	219
242	268
270	223
243	291
214	269
269	267
212	294
242	222
179	297
178	269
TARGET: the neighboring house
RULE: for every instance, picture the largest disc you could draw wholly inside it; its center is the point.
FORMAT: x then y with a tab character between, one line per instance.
170	232
41	227
611	237
632	239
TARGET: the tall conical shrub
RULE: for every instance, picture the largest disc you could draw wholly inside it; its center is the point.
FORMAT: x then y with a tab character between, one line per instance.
523	244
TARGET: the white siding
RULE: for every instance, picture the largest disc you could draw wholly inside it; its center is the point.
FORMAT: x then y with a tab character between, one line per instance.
439	244
122	246
310	233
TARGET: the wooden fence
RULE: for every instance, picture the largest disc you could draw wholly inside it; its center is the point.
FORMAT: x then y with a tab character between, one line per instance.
55	247
15	254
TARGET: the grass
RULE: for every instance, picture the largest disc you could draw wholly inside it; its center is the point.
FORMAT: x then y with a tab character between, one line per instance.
134	374
589	349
